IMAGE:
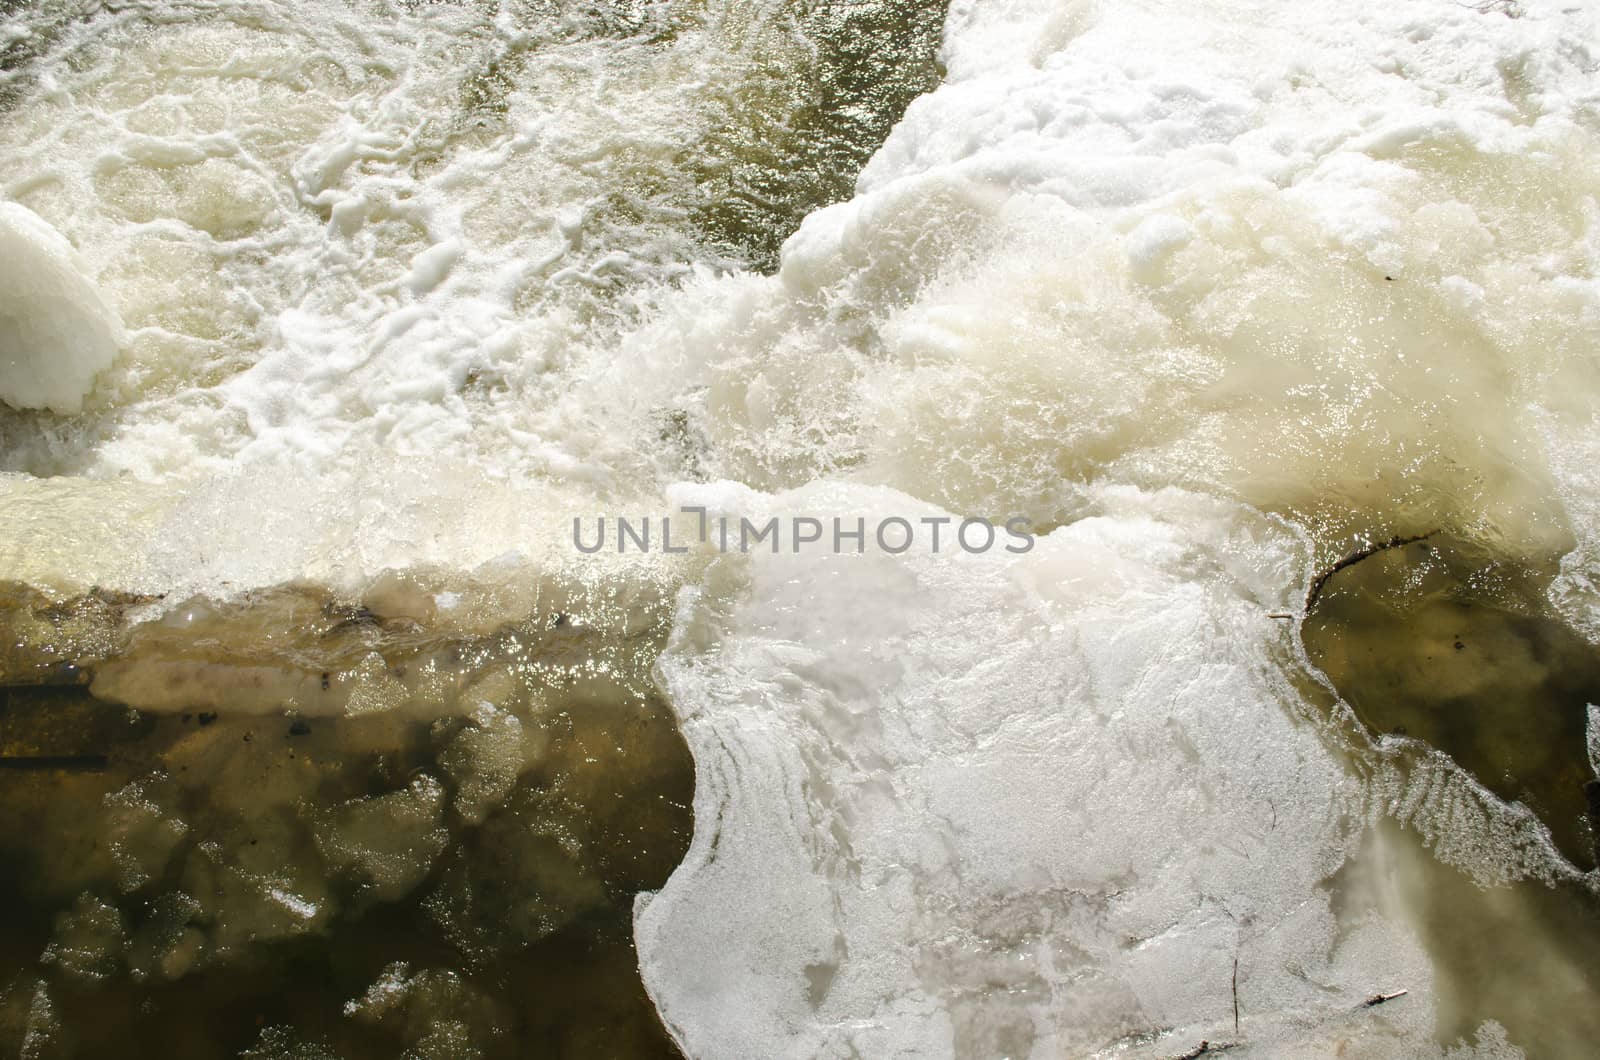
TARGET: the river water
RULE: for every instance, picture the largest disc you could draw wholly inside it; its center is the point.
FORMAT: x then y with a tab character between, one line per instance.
1276	323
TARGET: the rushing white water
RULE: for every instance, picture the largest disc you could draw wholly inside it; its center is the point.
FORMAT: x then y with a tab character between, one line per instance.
1201	288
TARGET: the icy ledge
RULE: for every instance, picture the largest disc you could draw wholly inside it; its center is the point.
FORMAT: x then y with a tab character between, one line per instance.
1015	805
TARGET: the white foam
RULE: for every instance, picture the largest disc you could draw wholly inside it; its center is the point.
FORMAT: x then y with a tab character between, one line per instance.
322	250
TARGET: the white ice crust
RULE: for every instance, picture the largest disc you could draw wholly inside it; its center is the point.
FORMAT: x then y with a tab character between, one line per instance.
56	332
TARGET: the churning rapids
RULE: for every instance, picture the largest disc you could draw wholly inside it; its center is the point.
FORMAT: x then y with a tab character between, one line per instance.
321	322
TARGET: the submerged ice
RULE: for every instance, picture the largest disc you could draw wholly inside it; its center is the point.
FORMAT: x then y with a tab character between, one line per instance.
1213	293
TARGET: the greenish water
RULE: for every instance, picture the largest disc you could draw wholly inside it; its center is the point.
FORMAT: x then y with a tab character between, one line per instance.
791	136
1446	643
1442	644
433	880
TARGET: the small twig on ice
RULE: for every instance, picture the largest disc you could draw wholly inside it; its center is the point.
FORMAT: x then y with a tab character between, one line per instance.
1236	968
1378	999
1206	1049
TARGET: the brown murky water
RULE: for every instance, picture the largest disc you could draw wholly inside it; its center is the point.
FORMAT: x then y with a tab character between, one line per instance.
315	838
1447	646
1440	641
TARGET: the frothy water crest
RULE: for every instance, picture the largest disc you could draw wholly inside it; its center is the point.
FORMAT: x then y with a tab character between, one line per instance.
341	228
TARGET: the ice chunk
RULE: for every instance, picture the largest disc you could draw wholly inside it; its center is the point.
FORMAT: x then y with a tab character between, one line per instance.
485	759
438	1012
280	1043
1593	733
1019	805
526	873
56	333
144	830
388	841
88	941
168	945
257	892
